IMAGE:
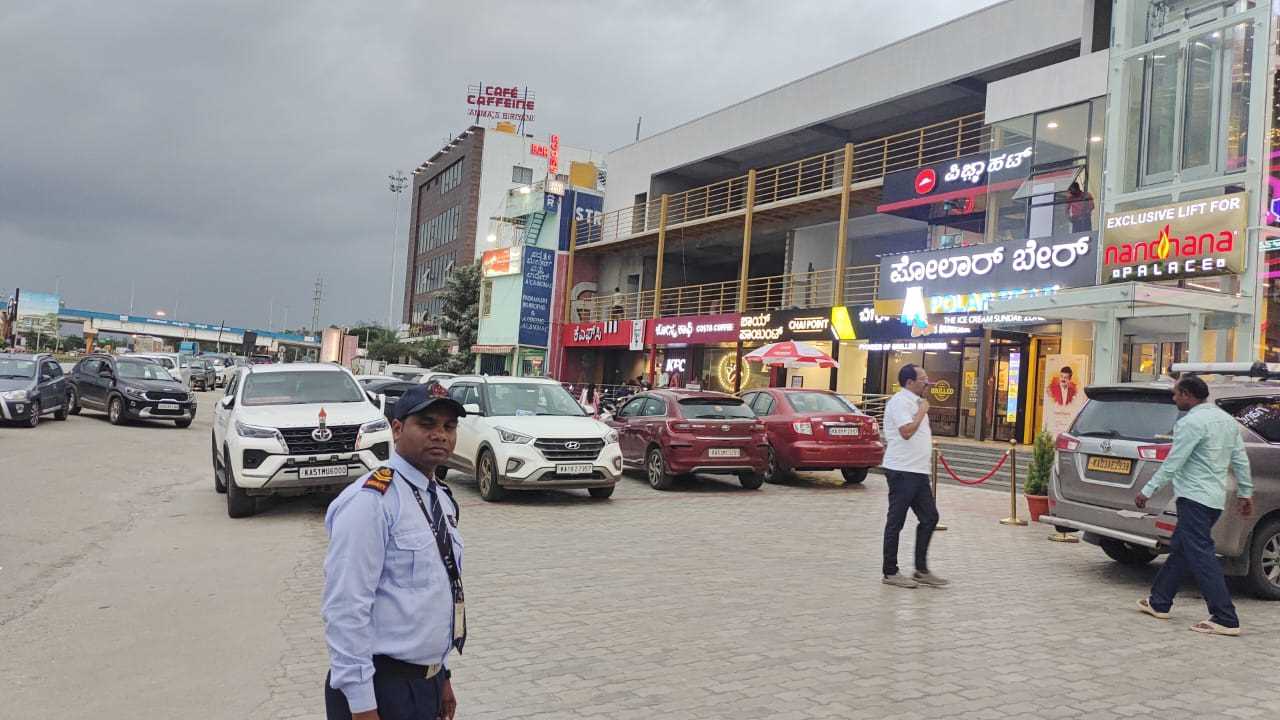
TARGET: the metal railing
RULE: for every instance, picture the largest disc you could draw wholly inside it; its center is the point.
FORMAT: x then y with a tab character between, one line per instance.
811	176
870	403
776	292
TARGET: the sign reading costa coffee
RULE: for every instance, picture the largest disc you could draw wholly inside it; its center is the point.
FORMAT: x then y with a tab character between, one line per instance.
694	330
608	333
1199	237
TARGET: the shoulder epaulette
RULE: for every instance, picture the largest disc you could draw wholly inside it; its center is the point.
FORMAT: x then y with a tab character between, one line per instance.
380	480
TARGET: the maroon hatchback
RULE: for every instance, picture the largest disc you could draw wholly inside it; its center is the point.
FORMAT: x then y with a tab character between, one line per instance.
816	430
680	432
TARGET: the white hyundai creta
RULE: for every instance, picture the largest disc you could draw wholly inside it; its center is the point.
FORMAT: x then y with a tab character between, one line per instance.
293	428
530	434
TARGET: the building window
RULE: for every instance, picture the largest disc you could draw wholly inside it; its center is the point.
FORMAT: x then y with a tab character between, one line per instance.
521	175
486	297
451	177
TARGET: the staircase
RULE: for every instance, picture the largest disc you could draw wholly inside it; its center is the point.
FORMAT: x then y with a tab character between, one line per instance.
534	227
971	461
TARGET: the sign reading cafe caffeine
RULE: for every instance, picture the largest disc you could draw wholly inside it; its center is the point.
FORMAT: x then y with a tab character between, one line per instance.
1199	237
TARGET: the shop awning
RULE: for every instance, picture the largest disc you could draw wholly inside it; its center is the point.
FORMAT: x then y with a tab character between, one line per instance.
492	349
1123	300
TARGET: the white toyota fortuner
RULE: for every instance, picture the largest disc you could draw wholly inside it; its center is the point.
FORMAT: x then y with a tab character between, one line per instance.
293	428
530	434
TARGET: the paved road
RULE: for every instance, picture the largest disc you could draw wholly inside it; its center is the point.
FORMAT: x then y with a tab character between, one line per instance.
125	589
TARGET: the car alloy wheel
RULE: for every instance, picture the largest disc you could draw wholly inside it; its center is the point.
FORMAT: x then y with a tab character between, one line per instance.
656	470
73	402
34	420
115	411
771	468
1269	560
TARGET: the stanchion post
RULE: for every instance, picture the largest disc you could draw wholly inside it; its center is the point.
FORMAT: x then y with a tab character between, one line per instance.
1013	487
936	453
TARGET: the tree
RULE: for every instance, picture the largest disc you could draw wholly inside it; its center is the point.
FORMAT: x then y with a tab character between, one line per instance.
370	334
461	317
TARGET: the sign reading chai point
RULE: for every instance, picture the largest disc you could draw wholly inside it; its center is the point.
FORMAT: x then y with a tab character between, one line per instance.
1198	237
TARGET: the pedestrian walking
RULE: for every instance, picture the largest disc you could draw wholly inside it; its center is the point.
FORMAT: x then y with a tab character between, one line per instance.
908	446
1206	444
393	603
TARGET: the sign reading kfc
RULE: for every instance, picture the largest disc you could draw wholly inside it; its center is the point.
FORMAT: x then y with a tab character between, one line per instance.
607	333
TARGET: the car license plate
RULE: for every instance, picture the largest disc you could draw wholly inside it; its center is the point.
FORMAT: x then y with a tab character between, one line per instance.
842	431
1119	466
168	406
574	469
723	452
322	471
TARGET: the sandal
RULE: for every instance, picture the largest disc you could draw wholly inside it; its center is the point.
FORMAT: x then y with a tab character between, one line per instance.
1209	627
1144	606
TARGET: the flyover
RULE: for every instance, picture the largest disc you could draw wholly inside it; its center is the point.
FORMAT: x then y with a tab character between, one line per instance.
96	321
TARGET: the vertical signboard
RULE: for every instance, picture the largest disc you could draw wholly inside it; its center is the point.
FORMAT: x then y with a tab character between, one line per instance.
586	208
535	296
1015	373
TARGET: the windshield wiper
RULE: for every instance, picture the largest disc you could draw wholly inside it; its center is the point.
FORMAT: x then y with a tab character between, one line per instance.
1099	433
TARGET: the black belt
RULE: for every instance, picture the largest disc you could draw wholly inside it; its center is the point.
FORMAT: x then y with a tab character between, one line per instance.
390	665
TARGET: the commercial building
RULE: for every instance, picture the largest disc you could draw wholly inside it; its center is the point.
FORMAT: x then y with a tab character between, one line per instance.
882	209
459	202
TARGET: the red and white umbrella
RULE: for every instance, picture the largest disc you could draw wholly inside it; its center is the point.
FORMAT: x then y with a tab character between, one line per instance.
791	354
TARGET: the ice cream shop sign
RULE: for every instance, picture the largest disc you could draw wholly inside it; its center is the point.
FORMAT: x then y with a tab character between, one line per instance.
1200	237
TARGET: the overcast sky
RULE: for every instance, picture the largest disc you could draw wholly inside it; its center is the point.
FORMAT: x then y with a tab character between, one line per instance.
221	155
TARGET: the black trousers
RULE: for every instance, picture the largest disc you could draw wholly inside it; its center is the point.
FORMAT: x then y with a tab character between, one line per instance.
1192	551
908	491
400	696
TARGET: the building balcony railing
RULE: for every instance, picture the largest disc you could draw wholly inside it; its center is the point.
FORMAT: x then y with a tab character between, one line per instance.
807	178
777	292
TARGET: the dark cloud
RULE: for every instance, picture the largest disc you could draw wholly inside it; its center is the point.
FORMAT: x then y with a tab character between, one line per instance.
223	154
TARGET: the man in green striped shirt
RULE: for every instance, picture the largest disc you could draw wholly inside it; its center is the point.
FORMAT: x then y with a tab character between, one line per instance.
1206	443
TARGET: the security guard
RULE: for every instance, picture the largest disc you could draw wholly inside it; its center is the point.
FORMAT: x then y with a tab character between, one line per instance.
393	601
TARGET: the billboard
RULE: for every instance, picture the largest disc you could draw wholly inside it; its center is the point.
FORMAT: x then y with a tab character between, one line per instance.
37	312
512	103
535	296
1187	239
503	261
586	208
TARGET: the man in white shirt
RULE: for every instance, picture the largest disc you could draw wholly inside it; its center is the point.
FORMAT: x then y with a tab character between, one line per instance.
909	444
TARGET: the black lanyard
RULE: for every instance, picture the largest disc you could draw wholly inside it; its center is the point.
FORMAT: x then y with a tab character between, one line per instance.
443	541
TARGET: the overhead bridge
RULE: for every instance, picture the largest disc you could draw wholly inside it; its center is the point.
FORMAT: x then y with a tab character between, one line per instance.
96	321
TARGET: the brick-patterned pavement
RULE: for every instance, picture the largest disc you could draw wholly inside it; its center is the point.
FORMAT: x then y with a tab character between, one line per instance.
714	602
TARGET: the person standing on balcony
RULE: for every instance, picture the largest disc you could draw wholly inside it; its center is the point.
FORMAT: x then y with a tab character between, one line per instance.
1206	444
908	446
616	308
1079	208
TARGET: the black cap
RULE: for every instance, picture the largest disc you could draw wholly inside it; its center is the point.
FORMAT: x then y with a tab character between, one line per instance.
421	397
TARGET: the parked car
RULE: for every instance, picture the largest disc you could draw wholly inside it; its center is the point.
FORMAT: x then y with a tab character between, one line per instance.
289	429
385	393
811	429
233	364
433	376
675	432
130	387
204	376
32	386
530	434
365	380
178	364
1120	438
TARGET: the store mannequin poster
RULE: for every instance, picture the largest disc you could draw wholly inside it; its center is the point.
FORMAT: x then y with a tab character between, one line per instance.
1064	390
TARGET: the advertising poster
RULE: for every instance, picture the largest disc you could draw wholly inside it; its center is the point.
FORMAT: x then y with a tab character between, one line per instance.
37	312
1011	397
535	297
1065	378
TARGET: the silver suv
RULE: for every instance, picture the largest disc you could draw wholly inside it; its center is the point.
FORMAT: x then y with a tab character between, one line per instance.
1117	443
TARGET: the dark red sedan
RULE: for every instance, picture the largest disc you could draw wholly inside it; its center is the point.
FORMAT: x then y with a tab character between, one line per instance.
673	432
812	429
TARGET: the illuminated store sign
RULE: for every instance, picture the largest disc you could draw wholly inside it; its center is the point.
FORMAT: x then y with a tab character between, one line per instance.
814	324
1200	237
694	329
918	191
609	333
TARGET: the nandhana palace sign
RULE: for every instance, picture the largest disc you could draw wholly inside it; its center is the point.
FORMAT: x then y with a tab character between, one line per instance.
1198	237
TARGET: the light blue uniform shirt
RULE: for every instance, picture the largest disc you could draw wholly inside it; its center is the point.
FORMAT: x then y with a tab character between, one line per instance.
386	591
1206	442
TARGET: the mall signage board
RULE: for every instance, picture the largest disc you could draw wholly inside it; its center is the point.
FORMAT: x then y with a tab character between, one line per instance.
535	296
1187	239
607	333
813	324
694	330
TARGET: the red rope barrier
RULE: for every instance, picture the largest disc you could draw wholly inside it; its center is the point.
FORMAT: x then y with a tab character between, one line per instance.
980	480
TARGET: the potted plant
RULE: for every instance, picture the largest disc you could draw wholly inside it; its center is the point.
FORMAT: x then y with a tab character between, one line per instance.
1036	487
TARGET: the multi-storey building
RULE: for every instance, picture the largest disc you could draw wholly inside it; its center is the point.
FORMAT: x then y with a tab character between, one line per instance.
459	197
881	209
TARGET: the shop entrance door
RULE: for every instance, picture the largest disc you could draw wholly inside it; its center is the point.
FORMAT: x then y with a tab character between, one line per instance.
1147	359
1005	370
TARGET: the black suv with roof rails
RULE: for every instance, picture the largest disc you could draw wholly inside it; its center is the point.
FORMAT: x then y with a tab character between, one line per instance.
130	388
31	386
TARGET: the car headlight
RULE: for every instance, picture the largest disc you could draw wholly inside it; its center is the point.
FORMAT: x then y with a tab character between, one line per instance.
16	395
262	433
611	437
132	392
376	426
510	436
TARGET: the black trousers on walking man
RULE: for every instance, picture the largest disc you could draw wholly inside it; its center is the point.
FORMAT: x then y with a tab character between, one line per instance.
909	490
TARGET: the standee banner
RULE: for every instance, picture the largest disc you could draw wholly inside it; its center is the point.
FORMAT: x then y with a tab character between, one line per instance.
694	330
606	333
1187	239
535	296
1066	377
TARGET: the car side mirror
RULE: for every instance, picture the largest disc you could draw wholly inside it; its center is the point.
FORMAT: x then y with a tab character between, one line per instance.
228	402
472	409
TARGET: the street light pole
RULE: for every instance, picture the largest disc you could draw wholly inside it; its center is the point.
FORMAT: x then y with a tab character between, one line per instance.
398	183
